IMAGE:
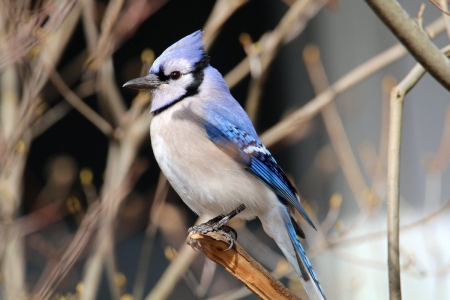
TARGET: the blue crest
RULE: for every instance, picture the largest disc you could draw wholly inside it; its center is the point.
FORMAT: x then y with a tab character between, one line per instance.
190	49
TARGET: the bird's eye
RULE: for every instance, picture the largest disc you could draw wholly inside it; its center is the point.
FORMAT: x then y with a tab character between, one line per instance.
175	75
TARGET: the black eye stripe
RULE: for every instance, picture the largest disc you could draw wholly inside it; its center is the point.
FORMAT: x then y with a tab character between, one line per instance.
174	75
193	88
161	75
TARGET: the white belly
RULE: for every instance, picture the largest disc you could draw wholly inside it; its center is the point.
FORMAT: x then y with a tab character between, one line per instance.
206	178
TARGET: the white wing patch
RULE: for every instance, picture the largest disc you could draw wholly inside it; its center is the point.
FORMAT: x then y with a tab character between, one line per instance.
251	149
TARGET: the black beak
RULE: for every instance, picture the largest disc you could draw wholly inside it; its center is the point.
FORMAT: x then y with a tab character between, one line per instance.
148	82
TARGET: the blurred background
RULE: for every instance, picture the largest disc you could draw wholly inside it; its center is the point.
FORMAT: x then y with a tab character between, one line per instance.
85	212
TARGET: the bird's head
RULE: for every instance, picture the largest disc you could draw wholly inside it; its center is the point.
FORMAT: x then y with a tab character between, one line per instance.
176	74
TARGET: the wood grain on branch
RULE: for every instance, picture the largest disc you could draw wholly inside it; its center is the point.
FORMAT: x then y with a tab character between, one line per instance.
242	266
413	38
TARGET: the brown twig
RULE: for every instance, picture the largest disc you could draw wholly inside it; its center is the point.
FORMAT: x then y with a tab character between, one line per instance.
413	38
441	160
441	9
295	20
53	275
243	68
79	105
162	190
19	42
335	126
395	124
242	266
446	16
174	271
393	180
291	123
222	11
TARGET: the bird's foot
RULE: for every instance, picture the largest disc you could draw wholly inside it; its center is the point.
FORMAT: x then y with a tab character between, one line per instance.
229	233
217	224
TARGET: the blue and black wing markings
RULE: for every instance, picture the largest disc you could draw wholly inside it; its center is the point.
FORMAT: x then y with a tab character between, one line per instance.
250	152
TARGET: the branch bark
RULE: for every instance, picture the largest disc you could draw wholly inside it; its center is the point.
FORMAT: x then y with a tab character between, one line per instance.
393	175
413	38
242	266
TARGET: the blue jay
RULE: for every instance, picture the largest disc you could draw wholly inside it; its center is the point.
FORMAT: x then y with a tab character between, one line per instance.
209	151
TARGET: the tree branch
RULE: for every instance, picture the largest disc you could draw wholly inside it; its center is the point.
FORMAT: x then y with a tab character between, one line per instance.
393	175
291	123
413	38
242	266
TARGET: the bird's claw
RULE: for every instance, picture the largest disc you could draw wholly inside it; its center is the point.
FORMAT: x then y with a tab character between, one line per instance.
217	225
230	234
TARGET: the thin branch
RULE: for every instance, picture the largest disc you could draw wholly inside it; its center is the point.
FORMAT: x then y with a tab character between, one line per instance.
445	15
381	234
393	175
175	271
60	110
291	123
90	29
9	100
379	175
159	199
53	275
285	31
79	105
222	11
335	127
242	266
439	7
441	160
294	21
413	38
393	180
18	43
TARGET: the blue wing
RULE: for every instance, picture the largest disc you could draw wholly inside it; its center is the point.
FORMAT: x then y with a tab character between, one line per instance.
250	152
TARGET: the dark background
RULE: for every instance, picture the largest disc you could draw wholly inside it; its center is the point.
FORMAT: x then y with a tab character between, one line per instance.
77	138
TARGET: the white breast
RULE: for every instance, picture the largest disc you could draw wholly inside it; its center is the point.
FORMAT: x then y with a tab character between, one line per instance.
206	178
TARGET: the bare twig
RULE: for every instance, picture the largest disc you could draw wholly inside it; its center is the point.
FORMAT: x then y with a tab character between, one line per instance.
443	10
379	176
97	211
441	160
79	105
19	42
335	126
296	18
284	31
54	274
413	38
176	269
393	179
221	12
446	16
395	124
291	123
339	241
162	190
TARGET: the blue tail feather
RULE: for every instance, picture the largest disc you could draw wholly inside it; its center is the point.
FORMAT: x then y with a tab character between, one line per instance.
301	255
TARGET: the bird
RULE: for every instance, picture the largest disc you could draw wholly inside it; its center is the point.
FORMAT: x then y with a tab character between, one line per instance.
209	151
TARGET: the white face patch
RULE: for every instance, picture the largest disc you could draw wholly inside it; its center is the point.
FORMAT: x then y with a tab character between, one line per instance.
179	64
171	92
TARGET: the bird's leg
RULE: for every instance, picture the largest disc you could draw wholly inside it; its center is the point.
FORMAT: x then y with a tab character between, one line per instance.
218	224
